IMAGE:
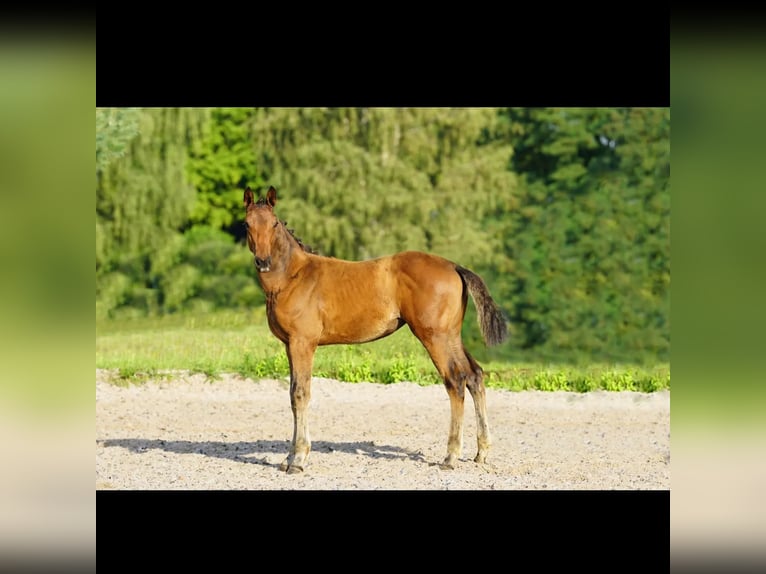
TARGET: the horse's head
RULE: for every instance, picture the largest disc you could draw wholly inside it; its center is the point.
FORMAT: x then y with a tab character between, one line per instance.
262	227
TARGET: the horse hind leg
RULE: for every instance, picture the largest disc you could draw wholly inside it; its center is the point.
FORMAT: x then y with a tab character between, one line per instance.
463	371
454	370
455	382
475	383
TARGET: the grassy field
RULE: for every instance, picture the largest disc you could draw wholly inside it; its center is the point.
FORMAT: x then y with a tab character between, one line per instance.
229	342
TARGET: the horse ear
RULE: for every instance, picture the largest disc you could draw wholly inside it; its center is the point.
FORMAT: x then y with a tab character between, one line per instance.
248	199
271	196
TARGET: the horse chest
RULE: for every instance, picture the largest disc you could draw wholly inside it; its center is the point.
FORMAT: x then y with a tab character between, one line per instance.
290	315
272	316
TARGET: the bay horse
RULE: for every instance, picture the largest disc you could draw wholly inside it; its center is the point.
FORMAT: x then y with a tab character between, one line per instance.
313	300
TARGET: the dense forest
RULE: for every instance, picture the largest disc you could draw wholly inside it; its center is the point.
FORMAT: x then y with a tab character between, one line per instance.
565	212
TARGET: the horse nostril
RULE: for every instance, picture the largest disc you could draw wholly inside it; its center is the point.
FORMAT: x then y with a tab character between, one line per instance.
263	264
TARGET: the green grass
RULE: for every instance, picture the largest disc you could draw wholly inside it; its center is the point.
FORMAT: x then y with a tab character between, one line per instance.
240	342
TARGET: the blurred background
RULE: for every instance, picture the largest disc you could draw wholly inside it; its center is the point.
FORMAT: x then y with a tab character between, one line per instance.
47	97
718	506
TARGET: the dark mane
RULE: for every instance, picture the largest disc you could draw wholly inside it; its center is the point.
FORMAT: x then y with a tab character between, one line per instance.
306	248
302	245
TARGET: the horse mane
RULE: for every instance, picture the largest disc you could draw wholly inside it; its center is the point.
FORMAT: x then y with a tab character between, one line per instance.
299	241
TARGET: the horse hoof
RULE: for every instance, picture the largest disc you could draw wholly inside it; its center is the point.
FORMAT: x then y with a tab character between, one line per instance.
448	464
294	469
284	466
480	458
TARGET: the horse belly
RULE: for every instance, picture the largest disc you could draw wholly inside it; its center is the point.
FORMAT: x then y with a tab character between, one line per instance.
347	328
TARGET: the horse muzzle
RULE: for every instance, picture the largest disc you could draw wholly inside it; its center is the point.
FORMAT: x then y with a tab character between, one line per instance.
262	265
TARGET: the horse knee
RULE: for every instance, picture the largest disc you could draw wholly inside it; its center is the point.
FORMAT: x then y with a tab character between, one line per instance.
300	395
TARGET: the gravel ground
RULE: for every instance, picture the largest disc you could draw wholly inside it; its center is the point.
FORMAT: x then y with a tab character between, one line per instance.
231	434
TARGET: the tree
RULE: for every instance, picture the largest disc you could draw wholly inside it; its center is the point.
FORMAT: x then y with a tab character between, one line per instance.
221	164
591	238
115	128
142	201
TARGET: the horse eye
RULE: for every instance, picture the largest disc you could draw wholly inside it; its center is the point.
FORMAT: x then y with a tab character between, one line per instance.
246	226
276	223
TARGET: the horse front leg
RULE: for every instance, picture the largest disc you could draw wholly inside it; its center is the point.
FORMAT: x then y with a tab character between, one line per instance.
301	357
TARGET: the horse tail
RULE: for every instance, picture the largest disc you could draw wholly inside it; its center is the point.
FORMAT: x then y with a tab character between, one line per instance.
492	322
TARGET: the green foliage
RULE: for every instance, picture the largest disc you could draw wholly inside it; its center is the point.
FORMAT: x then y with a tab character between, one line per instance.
591	236
221	164
564	212
548	380
578	379
400	369
111	291
142	201
257	368
353	371
115	127
229	342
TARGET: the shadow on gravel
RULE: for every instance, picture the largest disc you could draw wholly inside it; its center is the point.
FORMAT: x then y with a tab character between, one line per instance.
245	451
